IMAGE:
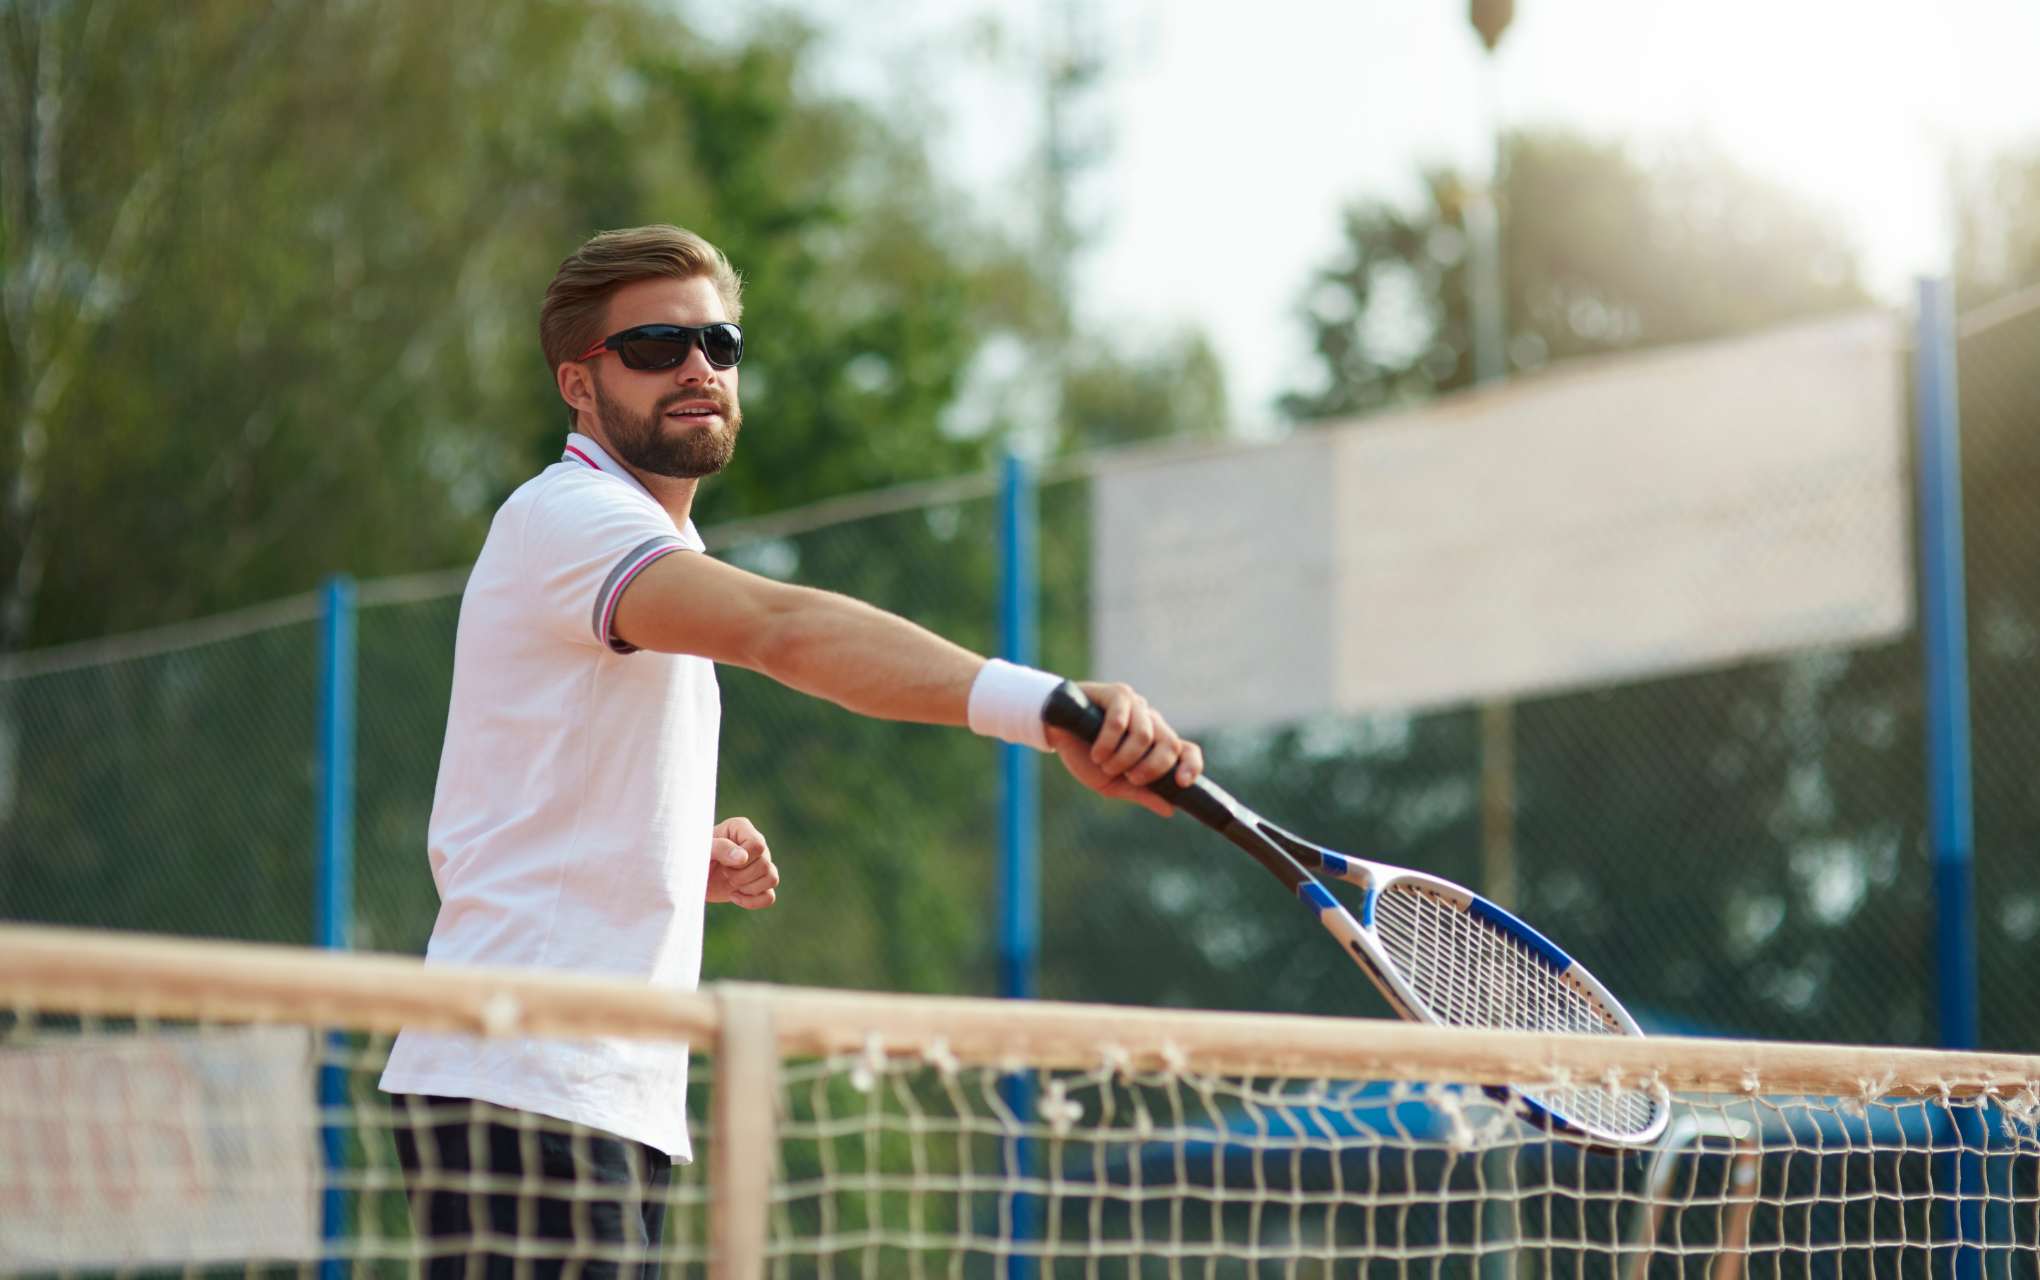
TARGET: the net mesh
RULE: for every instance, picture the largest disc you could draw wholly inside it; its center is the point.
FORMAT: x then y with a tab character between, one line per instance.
159	1113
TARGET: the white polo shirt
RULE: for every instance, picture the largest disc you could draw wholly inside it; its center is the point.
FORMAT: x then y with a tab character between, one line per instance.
576	796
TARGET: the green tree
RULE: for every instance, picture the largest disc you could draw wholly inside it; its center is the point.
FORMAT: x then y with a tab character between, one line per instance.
1600	253
249	294
272	294
271	284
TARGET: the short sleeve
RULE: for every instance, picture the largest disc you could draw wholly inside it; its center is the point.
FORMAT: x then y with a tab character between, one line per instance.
586	536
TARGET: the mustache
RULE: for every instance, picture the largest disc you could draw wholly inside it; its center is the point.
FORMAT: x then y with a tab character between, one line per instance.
714	395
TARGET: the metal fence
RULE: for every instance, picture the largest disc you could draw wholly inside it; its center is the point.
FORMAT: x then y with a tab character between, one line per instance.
1740	849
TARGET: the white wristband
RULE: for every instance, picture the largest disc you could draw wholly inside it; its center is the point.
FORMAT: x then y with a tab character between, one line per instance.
1006	702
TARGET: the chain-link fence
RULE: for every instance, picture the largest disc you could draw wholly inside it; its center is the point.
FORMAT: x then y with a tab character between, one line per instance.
1740	849
2000	355
165	782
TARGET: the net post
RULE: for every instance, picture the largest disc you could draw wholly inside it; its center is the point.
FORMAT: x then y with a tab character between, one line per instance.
333	890
744	1133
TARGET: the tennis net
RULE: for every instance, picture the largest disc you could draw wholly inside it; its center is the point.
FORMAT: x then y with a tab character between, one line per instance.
184	1107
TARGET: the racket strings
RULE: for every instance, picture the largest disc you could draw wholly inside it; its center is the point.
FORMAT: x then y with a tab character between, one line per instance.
1468	973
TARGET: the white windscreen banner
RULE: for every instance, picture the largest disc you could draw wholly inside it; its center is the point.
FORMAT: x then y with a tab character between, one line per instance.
1218	608
1631	516
170	1148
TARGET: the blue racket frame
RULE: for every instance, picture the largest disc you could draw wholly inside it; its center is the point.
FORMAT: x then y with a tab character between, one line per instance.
1291	860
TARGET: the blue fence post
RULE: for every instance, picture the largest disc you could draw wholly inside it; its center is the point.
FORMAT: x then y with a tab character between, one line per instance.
1944	619
1019	829
333	893
1943	622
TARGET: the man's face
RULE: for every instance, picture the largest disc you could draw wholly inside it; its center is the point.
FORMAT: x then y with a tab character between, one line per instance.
680	422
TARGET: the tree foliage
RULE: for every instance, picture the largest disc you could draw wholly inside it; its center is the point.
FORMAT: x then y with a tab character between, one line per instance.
1600	252
1111	398
272	278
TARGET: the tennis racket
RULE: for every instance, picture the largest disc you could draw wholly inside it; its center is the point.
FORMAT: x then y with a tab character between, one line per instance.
1439	953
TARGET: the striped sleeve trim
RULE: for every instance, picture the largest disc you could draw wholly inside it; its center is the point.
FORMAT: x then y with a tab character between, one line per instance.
632	564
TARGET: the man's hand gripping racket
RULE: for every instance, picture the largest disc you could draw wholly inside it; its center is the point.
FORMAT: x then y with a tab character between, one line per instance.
1439	952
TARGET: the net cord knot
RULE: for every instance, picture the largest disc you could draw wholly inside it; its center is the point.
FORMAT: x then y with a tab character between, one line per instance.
870	1064
1060	1110
939	1056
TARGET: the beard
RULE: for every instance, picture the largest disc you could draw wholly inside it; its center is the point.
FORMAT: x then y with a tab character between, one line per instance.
647	443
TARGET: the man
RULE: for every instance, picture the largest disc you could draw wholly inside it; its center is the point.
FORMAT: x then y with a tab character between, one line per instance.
573	826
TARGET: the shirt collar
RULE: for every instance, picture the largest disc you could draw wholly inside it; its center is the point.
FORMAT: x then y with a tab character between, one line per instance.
583	452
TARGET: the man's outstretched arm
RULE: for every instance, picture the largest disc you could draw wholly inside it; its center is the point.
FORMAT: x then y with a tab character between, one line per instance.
874	663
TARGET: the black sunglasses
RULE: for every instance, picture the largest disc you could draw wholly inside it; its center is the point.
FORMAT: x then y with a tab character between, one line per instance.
662	346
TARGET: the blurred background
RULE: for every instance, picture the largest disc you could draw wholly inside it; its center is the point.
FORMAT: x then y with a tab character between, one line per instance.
270	276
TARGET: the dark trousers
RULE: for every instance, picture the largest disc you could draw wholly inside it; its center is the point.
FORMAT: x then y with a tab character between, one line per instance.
589	1194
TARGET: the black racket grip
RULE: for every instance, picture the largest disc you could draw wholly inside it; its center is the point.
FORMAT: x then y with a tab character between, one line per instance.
1068	708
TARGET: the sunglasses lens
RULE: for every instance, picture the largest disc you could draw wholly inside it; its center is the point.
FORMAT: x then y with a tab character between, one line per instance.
723	344
653	353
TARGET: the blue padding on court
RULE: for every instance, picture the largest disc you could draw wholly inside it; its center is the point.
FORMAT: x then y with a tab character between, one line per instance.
1314	893
1483	910
1287	1146
1290	1146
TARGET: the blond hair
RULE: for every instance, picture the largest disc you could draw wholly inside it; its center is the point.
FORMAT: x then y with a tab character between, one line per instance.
577	300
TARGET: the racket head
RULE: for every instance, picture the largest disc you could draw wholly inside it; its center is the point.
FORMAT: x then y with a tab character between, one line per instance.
1416	934
1448	956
